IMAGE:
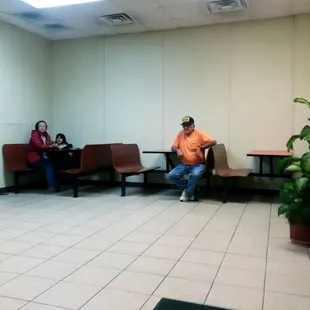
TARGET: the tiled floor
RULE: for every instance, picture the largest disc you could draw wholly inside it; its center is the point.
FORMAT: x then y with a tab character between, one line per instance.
104	252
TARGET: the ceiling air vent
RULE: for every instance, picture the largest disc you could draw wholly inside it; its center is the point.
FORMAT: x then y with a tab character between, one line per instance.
116	19
223	6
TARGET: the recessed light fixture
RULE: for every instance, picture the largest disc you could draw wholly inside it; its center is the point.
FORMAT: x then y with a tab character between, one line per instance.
40	4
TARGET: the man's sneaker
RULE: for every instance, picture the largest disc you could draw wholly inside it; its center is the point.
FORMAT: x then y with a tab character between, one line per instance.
184	197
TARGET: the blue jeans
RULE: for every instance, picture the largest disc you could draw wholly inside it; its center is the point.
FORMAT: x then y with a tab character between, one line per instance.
194	172
49	171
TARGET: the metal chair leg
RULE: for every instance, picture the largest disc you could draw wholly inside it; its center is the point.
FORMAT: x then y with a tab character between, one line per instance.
145	180
196	193
16	182
75	187
123	186
225	189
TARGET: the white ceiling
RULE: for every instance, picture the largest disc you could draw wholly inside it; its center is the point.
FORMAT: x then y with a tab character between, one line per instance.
83	20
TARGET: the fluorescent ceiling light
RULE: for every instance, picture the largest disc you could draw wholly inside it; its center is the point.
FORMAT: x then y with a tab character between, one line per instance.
40	4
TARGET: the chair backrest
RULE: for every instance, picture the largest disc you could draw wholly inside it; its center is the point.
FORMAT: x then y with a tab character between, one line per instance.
15	156
126	155
95	156
217	158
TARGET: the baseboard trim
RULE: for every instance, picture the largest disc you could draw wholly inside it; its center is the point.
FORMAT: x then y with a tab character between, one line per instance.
159	186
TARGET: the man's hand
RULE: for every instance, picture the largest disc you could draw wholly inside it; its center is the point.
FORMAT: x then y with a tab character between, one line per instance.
179	153
198	153
55	145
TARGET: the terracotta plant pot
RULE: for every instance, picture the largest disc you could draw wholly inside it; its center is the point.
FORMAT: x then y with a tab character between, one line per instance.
300	234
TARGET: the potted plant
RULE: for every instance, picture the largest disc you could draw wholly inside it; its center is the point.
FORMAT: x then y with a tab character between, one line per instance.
295	194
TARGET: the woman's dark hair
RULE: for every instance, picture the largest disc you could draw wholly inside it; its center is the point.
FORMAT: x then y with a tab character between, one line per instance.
63	137
37	124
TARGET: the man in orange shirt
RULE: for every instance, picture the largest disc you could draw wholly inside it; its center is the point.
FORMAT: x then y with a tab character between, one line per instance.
190	145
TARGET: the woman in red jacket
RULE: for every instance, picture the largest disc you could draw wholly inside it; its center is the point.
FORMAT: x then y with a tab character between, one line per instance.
41	140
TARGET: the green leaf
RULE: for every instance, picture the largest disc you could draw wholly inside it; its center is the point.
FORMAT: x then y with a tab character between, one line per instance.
300	185
307	138
293	168
305	164
290	142
285	162
302	101
305	132
283	209
289	185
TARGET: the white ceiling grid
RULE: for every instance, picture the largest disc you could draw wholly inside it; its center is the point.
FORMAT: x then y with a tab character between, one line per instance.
82	20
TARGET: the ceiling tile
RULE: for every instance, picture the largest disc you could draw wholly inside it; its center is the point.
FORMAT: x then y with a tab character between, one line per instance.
196	11
177	2
160	25
135	5
85	9
147	16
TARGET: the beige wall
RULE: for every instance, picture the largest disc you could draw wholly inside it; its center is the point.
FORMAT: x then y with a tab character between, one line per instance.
25	87
236	80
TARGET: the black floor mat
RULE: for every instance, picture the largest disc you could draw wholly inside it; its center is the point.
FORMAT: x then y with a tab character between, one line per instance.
169	304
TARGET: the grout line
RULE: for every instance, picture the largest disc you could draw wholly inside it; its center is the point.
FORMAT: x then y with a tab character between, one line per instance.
165	277
266	262
169	206
233	235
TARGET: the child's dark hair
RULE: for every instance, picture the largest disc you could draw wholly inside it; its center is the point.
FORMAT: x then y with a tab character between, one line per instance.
36	126
63	137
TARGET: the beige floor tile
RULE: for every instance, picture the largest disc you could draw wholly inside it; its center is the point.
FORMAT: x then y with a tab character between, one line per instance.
212	241
136	282
287	284
244	262
15	247
289	268
248	245
241	277
186	229
156	226
12	233
151	303
183	289
282	248
162	251
91	275
43	251
68	295
78	256
95	243
4	256
19	264
194	271
203	257
109	299
35	306
142	237
133	248
35	237
25	287
64	240
174	241
6	277
152	265
279	230
113	260
282	301
53	270
11	304
234	297
222	224
83	231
